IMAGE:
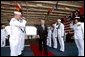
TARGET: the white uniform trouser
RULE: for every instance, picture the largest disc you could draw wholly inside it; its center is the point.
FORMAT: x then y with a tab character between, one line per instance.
61	42
22	41
3	42
19	47
49	41
80	46
55	42
13	46
21	44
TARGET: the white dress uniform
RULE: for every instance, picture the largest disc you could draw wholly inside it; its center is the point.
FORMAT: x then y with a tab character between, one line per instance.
3	37
15	34
79	37
49	37
60	33
54	35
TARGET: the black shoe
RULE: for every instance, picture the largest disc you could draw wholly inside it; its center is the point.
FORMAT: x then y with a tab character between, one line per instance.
20	55
61	51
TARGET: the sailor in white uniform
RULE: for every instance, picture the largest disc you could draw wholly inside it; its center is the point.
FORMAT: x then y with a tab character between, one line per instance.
60	34
3	36
15	34
54	35
49	36
78	28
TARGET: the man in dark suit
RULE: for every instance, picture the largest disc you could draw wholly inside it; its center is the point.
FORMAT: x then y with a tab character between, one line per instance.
42	35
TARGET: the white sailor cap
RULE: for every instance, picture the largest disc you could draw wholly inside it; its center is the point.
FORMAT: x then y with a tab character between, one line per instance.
16	12
59	20
77	17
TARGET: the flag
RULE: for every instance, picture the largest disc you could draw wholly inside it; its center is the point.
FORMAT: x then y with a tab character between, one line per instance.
18	7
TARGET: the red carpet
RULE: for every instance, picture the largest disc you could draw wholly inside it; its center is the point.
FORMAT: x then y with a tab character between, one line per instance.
35	49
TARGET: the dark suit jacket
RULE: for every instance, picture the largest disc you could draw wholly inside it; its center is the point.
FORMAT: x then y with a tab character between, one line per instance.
42	33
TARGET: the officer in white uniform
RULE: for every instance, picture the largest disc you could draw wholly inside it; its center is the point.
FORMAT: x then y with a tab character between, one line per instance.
60	34
49	36
3	36
54	35
15	34
78	28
